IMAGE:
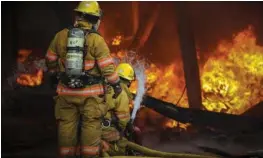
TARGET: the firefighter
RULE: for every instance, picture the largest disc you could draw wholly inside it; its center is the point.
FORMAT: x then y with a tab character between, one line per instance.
118	115
81	60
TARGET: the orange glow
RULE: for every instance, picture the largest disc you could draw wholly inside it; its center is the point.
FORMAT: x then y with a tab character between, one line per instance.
23	55
174	124
27	79
231	79
117	40
30	79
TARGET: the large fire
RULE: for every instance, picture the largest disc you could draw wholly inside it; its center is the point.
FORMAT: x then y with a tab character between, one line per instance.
232	78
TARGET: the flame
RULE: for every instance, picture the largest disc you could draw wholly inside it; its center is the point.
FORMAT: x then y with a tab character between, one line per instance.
28	79
164	83
116	41
174	124
231	79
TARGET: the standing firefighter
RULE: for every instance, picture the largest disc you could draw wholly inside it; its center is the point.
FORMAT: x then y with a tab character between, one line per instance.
80	58
118	116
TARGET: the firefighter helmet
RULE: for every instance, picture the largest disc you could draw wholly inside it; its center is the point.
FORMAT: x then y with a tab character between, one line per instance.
89	7
126	71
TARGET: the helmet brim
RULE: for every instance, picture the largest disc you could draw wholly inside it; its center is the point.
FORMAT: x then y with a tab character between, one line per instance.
80	11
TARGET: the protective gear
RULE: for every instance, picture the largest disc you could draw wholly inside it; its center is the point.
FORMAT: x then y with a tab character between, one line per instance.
91	110
117	90
96	26
118	107
90	8
126	71
117	148
105	63
124	84
73	103
75	52
115	121
53	79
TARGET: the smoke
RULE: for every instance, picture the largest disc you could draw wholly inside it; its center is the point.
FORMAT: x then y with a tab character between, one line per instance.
40	64
140	75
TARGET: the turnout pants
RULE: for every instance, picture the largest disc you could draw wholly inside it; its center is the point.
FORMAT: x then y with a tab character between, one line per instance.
68	111
117	144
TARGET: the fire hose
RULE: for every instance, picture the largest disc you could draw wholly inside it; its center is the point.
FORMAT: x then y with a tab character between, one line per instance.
150	152
155	153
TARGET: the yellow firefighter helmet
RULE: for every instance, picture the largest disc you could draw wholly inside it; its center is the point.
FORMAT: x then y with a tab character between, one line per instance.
126	71
89	7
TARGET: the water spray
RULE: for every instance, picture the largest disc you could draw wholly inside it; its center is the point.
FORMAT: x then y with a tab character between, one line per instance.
140	76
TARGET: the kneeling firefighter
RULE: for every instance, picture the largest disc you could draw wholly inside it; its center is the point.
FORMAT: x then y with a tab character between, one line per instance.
118	115
117	122
80	58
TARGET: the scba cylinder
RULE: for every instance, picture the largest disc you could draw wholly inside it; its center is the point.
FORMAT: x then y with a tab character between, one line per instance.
75	51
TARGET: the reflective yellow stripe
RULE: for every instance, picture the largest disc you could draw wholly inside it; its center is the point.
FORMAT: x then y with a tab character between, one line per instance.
123	115
90	150
114	78
105	62
90	91
67	151
89	64
51	56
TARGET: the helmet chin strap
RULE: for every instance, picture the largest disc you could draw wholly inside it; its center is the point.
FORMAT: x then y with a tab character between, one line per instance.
96	26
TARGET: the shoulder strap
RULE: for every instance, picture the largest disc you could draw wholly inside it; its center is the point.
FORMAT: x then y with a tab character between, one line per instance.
94	31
